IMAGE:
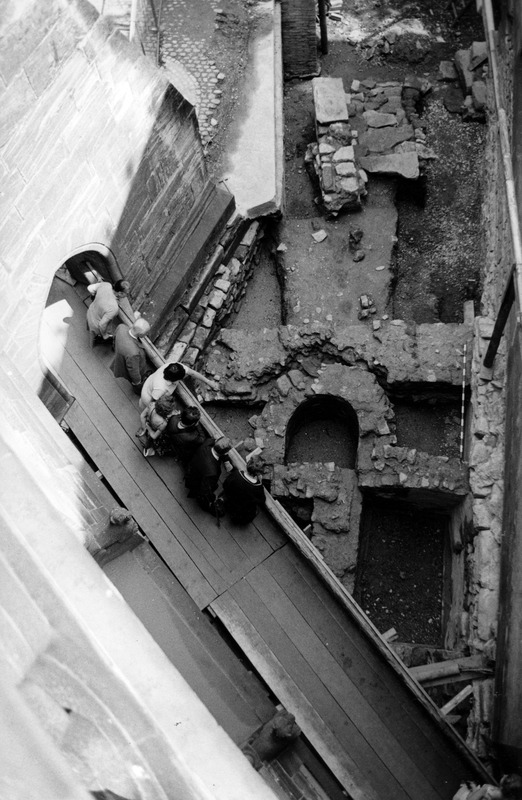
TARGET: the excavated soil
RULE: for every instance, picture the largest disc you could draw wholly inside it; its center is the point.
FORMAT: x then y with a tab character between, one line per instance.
436	268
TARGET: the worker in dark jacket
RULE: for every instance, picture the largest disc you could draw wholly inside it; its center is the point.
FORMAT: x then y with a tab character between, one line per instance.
183	435
204	470
243	493
130	360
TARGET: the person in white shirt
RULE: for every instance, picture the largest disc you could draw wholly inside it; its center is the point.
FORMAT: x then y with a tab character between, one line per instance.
165	379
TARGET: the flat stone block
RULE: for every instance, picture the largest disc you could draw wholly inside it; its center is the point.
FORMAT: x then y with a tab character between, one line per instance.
346	169
374	119
405	164
329	100
344	154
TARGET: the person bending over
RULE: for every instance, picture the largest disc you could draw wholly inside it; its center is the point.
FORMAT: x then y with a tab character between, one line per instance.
104	309
130	360
165	379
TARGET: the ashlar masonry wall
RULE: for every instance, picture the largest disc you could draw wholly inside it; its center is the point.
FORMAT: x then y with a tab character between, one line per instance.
96	147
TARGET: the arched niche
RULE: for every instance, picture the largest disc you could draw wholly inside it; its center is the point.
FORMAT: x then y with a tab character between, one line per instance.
84	265
327	427
88	263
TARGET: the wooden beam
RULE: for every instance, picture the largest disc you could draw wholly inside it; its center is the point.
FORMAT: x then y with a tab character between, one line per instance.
506	303
457	700
457	669
323	26
273	673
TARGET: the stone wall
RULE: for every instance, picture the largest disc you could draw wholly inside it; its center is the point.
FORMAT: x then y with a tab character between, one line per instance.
495	467
95	147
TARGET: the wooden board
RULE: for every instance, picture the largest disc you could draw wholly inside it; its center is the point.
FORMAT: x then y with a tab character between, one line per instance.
233	696
293	698
405	721
373	726
315	657
149	520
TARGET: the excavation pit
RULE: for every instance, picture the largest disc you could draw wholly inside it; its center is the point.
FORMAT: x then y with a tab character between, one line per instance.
400	571
430	425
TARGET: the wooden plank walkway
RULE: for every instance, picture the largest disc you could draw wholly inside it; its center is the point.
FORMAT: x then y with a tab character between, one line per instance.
232	694
205	557
357	711
354	709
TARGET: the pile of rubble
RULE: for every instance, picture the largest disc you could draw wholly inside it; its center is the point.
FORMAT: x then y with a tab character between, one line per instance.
466	74
376	127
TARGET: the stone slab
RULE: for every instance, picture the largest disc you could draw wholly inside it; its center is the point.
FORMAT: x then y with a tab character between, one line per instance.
404	164
374	119
329	100
381	140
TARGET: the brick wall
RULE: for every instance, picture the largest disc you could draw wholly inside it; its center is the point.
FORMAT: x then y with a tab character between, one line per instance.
95	147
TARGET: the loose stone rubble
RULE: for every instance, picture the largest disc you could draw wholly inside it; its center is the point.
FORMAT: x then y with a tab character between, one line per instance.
376	127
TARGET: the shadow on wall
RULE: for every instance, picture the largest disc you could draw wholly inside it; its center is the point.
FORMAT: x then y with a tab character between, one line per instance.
323	429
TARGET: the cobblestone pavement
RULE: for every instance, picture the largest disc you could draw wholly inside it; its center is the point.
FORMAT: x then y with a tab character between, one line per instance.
183	47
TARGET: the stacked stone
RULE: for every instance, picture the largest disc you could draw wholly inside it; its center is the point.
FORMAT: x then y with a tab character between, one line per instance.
335	518
380	131
482	553
409	468
486	464
471	69
343	184
222	297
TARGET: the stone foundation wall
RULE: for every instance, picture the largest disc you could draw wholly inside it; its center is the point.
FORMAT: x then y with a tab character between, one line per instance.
221	298
95	147
491	395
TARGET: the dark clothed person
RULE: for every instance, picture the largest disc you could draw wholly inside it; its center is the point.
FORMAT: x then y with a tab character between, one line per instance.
243	494
130	361
204	470
182	436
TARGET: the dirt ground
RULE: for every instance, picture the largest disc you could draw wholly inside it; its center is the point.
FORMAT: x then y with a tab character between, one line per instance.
435	268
